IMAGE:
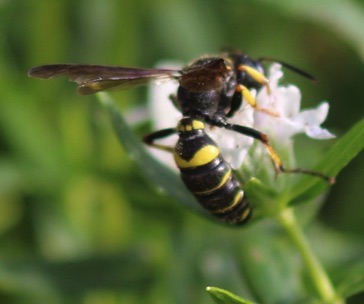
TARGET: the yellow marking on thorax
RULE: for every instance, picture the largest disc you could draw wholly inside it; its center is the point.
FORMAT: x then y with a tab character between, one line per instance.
202	157
196	125
221	183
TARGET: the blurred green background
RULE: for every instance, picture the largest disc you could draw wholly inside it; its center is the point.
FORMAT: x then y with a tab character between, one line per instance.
78	221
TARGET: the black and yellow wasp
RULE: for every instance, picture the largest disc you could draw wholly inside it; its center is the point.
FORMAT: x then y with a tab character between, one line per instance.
211	90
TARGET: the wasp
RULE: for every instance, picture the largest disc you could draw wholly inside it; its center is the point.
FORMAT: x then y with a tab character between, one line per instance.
210	91
204	171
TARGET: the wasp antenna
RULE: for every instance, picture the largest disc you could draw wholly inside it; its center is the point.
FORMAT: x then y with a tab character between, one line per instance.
290	67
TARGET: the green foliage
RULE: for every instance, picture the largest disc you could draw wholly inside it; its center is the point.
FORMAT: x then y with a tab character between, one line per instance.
82	223
221	296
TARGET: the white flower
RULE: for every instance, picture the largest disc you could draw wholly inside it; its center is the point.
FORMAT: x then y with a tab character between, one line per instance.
284	100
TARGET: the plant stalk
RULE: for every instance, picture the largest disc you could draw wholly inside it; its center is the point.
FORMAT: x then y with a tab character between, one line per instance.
320	279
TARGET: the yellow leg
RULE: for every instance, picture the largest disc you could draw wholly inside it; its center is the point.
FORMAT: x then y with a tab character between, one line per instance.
256	75
278	165
251	100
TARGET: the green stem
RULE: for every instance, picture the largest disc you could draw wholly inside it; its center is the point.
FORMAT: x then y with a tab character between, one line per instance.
320	280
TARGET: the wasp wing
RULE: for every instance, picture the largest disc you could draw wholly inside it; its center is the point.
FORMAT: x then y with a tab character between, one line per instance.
96	78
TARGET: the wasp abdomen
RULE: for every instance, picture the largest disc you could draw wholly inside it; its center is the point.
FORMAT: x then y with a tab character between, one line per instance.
208	176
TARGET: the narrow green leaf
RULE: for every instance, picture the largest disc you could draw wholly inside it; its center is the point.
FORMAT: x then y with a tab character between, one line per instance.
222	296
336	159
165	179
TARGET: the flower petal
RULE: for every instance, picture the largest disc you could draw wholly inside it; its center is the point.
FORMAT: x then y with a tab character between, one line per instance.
164	114
318	133
311	120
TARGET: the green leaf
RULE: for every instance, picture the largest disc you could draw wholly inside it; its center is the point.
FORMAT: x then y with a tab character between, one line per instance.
165	179
352	281
222	296
335	160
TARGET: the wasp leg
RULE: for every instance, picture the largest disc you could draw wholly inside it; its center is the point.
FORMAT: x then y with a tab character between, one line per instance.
244	91
150	138
259	78
256	75
263	138
236	102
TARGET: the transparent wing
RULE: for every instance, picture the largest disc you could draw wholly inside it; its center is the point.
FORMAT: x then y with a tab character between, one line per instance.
96	78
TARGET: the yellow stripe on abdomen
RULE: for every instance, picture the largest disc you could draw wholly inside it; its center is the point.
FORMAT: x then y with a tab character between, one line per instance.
237	199
222	183
202	157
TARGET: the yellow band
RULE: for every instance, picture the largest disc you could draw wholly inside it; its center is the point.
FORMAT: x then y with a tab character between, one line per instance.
202	157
